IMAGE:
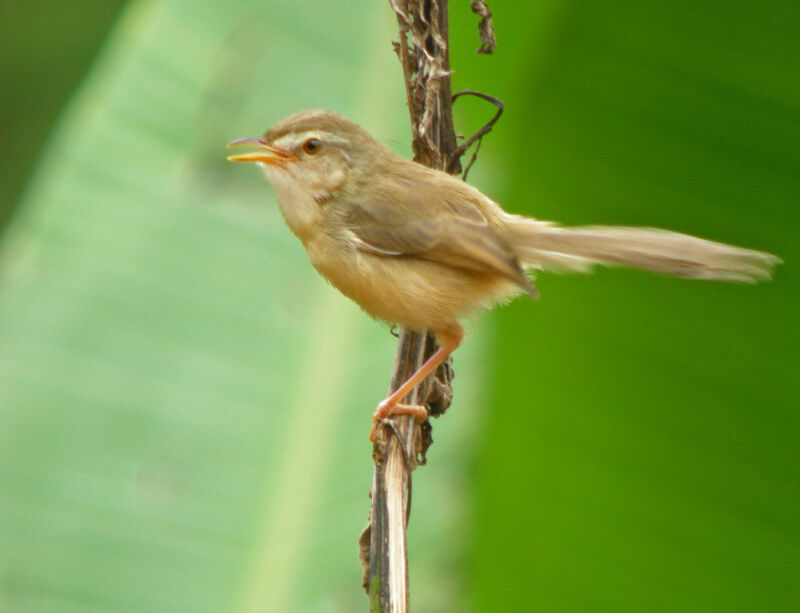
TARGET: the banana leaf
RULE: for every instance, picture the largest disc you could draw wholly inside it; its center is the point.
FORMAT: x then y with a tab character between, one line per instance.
185	404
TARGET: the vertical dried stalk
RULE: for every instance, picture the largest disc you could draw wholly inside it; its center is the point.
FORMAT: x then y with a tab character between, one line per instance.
423	53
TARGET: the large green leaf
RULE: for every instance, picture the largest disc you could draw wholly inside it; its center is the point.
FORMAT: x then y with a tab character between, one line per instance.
642	452
184	403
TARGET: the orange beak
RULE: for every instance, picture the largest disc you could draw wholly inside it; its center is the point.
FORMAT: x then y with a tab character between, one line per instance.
266	153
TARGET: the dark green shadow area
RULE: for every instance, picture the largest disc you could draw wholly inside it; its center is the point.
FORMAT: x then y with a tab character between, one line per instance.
45	49
641	447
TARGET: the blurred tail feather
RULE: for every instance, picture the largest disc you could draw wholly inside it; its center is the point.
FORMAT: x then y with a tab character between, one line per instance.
547	246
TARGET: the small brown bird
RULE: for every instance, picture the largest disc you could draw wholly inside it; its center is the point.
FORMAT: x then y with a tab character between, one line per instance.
418	247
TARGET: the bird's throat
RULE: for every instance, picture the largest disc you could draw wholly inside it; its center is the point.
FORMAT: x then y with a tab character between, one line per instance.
298	207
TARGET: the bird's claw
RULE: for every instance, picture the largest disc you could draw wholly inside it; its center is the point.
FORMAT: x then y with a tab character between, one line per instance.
387	409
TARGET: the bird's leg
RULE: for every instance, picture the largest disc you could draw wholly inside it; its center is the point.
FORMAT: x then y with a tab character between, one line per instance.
449	339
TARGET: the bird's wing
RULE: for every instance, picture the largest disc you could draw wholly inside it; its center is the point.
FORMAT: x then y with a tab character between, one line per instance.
443	227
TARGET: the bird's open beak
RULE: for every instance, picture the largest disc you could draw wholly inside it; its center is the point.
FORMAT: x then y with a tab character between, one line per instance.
266	153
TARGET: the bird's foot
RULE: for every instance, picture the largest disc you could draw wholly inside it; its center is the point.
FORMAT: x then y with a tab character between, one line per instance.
386	409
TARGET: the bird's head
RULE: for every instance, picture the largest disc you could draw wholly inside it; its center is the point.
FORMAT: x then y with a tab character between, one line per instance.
312	152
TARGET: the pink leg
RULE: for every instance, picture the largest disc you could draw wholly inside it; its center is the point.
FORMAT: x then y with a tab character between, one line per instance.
449	340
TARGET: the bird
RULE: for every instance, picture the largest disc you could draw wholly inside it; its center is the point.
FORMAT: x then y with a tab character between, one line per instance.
415	246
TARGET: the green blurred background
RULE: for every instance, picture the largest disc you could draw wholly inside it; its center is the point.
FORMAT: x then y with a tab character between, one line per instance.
184	404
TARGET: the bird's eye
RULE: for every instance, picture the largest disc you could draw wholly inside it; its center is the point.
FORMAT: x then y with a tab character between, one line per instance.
311	146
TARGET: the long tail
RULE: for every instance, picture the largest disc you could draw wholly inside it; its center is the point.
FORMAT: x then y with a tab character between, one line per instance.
547	246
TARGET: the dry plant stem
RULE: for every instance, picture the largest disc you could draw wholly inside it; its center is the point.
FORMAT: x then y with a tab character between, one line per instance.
422	51
391	491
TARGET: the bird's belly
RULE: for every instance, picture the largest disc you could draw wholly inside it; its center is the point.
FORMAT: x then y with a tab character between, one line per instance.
406	290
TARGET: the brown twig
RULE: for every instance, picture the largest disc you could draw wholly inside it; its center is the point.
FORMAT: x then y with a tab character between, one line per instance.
399	448
478	136
485	26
